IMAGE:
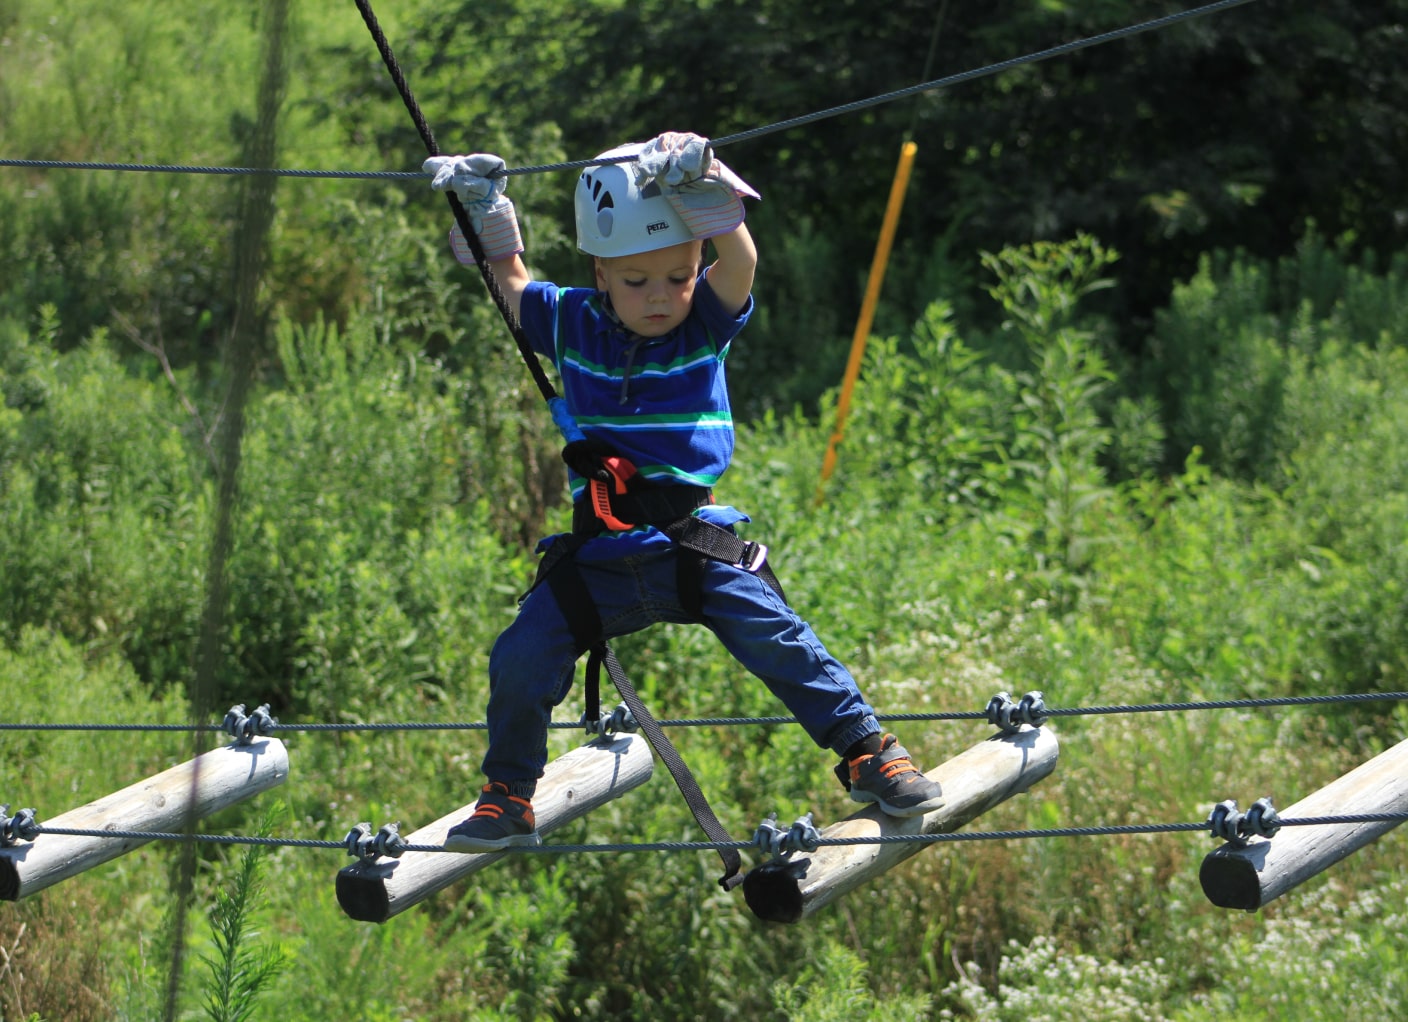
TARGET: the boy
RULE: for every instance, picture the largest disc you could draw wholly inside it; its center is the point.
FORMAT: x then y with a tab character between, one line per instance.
641	359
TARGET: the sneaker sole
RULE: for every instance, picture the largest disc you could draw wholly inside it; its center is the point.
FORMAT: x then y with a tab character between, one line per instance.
460	843
901	812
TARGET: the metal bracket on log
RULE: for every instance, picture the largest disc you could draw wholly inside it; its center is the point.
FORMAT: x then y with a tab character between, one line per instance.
166	802
1261	870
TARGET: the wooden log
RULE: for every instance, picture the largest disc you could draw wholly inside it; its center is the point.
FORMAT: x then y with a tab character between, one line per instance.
572	786
1264	869
785	891
163	803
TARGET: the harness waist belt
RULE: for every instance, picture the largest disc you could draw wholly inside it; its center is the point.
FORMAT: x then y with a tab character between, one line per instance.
647	506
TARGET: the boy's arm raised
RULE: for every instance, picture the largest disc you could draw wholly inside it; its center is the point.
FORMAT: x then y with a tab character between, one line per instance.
731	275
478	180
708	197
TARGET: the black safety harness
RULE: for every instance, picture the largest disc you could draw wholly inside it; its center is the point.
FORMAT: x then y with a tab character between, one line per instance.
621	502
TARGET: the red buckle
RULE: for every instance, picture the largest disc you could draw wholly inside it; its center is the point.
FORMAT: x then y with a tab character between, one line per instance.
621	473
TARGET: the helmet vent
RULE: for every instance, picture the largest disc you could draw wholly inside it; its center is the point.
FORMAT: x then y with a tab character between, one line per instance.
605	219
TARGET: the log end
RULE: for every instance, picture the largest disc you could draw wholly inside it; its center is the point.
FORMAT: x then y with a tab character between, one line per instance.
774	890
363	895
1231	879
9	879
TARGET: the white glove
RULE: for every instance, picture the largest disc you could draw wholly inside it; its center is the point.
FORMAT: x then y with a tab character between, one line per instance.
479	182
706	194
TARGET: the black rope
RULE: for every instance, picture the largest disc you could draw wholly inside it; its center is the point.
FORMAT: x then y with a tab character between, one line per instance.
162	168
530	359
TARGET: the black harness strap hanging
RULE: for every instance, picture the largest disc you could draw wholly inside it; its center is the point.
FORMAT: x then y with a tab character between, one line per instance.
558	569
665	749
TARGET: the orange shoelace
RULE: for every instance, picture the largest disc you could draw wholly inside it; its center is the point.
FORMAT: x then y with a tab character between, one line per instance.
903	765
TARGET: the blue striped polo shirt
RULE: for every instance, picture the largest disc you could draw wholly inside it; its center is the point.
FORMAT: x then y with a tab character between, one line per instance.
661	402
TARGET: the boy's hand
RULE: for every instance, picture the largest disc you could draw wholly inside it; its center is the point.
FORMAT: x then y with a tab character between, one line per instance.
478	177
678	159
586	457
706	194
479	181
674	158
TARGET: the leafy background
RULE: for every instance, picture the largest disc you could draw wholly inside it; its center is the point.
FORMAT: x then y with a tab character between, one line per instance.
1130	428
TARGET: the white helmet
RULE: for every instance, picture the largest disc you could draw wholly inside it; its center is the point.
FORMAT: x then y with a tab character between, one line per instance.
615	217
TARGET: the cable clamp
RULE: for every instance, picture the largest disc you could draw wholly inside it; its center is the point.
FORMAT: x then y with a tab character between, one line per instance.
1032	709
621	720
358	842
773	841
362	844
1009	715
1234	827
389	842
244	729
20	827
1261	819
1225	823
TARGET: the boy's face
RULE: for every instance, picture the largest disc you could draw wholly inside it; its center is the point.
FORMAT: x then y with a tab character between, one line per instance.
652	291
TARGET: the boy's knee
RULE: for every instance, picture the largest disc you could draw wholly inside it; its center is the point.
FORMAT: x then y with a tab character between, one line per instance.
514	652
527	651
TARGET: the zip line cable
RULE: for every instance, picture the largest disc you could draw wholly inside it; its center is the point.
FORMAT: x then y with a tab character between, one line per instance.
982	72
161	168
1076	711
726	140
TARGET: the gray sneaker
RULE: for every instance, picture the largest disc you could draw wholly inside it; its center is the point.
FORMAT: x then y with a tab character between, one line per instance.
890	779
499	821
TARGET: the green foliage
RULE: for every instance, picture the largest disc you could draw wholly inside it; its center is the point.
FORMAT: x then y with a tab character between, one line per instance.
99	83
835	990
1015	508
49	969
103	500
1302	394
1041	980
1057	433
1224	352
360	461
1333	954
62	951
1099	143
926	421
241	968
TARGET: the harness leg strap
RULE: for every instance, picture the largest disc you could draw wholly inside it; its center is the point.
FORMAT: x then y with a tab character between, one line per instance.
720	544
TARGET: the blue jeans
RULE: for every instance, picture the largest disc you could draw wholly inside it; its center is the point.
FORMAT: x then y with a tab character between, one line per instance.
533	661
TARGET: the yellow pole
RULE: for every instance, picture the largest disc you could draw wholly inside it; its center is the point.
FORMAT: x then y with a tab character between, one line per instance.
867	311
